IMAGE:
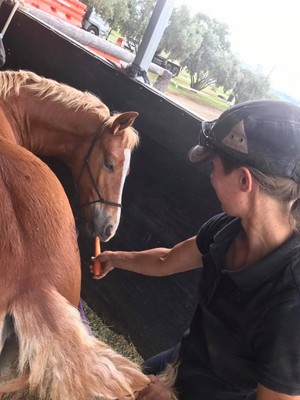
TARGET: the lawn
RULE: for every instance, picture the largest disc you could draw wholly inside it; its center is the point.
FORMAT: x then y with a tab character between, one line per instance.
106	334
180	85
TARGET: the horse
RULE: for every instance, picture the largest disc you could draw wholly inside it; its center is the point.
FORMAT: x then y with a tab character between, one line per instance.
43	343
56	120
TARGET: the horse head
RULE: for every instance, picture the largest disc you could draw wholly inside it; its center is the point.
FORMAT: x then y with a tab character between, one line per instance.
62	124
103	172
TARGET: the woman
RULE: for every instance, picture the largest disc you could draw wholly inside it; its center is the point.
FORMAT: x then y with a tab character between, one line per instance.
244	340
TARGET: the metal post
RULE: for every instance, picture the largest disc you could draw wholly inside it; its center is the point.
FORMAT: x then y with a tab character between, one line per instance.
9	18
153	34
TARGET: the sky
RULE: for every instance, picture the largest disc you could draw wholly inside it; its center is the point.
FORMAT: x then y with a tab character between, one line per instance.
262	32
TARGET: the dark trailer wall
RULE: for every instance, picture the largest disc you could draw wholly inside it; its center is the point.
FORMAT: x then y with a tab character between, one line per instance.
165	199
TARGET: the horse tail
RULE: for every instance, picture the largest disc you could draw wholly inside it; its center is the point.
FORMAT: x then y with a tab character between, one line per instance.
168	378
63	360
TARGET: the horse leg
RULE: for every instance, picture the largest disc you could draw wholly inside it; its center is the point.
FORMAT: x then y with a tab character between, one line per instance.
15	385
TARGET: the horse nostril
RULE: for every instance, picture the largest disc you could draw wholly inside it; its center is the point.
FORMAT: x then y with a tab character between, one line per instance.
108	230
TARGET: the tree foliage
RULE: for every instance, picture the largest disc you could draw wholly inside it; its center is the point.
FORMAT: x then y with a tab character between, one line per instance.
229	71
251	86
115	12
204	63
180	37
202	46
139	13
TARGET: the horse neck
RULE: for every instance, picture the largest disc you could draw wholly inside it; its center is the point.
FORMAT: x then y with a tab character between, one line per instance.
49	128
7	131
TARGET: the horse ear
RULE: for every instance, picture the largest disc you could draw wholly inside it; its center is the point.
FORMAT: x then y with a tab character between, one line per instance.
123	121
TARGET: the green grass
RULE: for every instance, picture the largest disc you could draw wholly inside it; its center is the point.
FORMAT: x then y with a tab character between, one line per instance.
114	36
180	85
106	334
214	101
202	96
183	78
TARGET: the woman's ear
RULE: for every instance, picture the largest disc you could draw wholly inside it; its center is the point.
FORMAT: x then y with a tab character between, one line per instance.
246	179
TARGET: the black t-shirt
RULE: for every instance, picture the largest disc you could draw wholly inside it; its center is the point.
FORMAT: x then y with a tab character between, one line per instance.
246	329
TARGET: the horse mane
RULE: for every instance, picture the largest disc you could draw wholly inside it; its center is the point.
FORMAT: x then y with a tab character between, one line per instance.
45	87
15	81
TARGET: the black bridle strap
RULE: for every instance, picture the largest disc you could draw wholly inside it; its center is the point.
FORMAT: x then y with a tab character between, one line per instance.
86	164
100	198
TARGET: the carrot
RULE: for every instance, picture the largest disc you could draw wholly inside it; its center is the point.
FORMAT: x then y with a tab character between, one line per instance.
97	265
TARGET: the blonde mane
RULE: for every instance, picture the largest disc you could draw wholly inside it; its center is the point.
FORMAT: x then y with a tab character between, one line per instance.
12	82
131	138
44	87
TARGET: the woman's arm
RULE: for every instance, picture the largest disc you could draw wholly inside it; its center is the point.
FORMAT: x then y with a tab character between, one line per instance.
184	256
264	393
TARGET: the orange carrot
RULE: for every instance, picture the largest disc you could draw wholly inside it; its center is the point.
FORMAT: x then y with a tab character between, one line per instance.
97	265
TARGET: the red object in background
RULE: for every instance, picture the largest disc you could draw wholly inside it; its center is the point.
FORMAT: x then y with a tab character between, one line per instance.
120	41
71	11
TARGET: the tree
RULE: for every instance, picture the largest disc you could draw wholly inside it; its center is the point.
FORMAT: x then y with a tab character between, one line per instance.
180	38
115	12
204	64
229	71
251	86
139	12
112	11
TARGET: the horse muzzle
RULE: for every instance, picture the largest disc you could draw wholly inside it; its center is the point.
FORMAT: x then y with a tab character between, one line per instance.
103	223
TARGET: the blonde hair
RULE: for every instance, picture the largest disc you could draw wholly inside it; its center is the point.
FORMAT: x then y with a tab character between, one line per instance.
285	190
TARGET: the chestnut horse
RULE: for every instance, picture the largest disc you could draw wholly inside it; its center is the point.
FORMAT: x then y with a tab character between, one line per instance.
40	327
53	119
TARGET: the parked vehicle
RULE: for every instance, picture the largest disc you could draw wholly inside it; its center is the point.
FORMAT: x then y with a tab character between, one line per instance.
132	46
94	23
75	13
167	64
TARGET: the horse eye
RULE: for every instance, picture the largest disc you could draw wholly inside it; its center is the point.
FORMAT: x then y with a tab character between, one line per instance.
109	166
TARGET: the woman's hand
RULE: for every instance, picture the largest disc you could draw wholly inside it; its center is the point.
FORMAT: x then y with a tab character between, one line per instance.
105	260
156	390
